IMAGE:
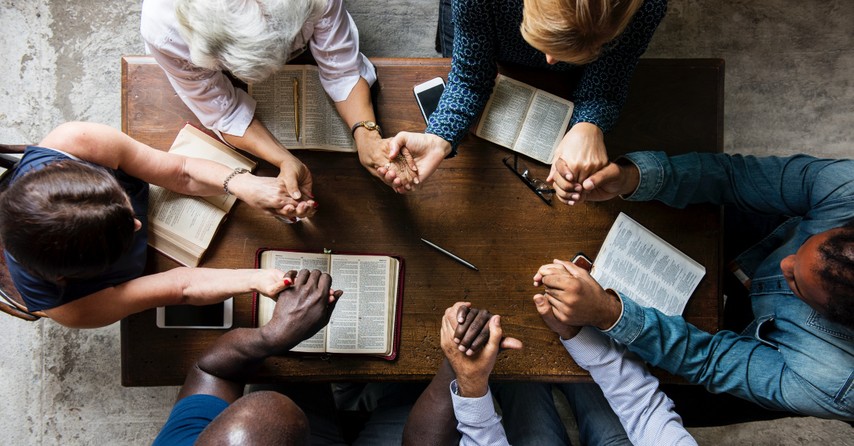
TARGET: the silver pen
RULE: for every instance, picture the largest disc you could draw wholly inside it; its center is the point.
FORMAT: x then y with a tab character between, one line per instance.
450	254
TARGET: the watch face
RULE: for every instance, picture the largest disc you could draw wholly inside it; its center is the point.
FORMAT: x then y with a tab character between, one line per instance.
370	125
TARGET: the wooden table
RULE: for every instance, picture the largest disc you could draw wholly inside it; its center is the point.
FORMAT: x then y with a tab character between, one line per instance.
472	205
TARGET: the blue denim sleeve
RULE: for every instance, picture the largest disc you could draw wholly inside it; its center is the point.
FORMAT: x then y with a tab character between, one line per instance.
604	85
799	185
473	71
723	362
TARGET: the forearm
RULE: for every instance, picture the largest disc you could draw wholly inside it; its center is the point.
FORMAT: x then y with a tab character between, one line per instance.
357	108
224	369
431	420
646	413
258	141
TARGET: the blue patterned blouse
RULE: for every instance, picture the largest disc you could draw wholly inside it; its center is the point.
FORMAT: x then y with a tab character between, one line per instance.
487	32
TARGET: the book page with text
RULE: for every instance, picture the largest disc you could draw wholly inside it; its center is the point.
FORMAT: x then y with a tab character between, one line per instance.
322	127
274	106
286	261
505	111
360	322
646	268
189	217
544	126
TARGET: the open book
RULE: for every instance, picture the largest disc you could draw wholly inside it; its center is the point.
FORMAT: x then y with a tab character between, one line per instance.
524	119
641	265
293	105
366	319
181	226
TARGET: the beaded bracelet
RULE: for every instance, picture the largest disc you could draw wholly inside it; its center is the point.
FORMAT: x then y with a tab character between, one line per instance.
236	171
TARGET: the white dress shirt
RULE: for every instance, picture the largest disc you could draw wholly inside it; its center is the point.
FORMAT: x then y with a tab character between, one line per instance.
477	421
644	410
332	39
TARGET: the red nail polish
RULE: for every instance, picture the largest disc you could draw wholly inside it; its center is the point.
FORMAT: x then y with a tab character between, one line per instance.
315	205
287	282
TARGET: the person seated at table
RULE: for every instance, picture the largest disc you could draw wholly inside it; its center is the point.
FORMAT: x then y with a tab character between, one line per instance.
599	42
211	407
471	339
797	354
73	221
197	41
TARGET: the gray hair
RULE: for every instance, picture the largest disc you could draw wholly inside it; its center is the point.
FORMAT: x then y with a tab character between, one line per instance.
250	38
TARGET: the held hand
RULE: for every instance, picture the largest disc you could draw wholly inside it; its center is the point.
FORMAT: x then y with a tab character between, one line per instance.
271	195
472	330
426	151
472	371
374	156
301	310
296	178
582	152
575	297
271	281
614	179
550	317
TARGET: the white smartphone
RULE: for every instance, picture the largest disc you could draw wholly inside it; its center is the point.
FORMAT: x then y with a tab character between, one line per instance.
427	94
216	316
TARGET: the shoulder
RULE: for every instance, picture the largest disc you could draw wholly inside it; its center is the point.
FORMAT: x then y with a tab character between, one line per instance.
35	158
651	13
159	26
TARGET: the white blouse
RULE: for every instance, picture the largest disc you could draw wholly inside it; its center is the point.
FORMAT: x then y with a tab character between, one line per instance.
332	39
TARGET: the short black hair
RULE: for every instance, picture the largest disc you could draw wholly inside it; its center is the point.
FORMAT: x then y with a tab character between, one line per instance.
69	219
837	274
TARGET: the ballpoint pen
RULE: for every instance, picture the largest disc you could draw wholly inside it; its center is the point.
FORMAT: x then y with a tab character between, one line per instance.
450	254
296	107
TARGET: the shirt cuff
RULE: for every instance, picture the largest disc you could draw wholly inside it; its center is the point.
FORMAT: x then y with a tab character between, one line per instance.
586	346
472	411
236	122
630	324
651	169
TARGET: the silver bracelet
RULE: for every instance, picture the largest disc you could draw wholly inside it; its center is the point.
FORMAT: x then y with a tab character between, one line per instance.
236	171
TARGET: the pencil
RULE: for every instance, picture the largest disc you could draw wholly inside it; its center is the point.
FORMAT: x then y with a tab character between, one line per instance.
296	107
450	254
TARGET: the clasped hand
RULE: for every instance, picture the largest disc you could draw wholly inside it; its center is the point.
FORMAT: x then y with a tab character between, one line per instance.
572	299
581	153
301	310
421	153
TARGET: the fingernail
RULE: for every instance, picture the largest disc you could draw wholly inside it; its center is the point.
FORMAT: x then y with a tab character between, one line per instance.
288	282
462	349
457	340
538	300
469	352
315	205
417	181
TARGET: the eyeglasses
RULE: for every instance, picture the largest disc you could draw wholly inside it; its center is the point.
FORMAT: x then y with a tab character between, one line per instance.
538	186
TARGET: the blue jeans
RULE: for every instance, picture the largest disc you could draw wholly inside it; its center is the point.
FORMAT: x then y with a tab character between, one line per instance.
528	413
597	422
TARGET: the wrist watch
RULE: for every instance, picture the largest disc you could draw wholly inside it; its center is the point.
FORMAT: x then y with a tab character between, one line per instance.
368	125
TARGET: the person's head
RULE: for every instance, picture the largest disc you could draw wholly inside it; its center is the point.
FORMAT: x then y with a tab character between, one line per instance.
67	220
250	38
575	31
821	273
258	419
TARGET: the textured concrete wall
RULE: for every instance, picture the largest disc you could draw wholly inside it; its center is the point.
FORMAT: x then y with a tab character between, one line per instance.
789	89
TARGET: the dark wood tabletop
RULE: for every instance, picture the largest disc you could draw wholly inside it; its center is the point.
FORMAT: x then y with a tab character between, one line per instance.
472	205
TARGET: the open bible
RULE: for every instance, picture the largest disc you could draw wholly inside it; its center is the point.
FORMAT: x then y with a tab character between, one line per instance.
180	226
524	119
293	105
646	268
366	319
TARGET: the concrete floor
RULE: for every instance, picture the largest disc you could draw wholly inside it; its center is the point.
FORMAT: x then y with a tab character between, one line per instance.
789	89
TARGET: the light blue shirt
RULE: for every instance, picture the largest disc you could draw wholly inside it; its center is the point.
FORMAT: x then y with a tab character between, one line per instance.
790	358
477	421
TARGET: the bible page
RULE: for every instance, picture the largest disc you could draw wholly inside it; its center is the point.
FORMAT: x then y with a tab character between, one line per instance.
544	126
286	261
505	111
323	127
274	106
646	268
187	217
361	322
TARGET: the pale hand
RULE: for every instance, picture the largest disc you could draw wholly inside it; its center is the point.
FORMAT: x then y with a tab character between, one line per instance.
581	153
270	195
575	297
270	281
374	156
473	371
426	150
613	180
296	178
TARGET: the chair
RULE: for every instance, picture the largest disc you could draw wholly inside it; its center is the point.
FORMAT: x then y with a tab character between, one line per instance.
11	302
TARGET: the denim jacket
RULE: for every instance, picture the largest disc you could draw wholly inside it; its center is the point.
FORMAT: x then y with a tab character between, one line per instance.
790	358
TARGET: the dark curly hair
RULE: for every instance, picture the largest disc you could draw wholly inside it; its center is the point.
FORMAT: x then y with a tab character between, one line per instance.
837	274
67	220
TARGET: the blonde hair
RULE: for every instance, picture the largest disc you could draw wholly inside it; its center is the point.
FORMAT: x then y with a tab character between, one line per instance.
250	38
575	31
